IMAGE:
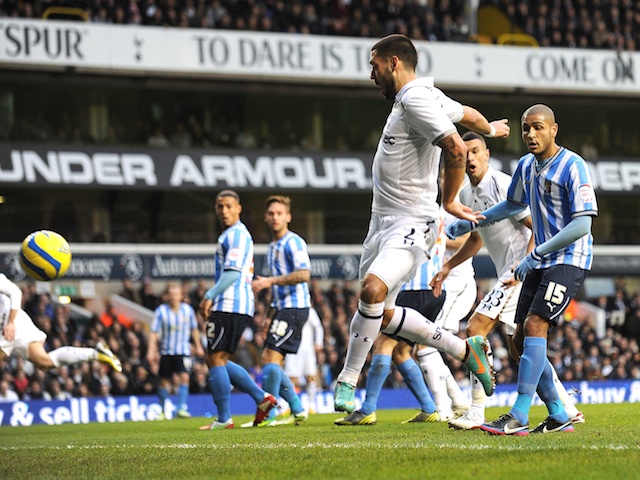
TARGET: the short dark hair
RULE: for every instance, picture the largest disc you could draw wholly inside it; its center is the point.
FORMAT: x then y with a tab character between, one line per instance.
399	45
473	136
228	193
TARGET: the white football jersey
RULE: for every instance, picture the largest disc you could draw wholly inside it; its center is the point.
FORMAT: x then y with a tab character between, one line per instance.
10	298
506	240
407	160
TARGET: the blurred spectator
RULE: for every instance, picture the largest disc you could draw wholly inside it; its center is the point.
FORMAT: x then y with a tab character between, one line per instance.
143	383
199	380
63	328
195	296
6	394
121	385
180	136
20	382
128	291
147	294
114	320
99	379
617	307
55	390
36	391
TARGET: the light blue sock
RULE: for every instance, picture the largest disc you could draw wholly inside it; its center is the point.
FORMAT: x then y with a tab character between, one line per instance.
221	390
532	363
183	395
163	394
271	381
241	379
288	392
378	373
413	377
549	395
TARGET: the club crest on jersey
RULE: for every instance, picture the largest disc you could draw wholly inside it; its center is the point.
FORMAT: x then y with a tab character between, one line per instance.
234	255
547	187
586	193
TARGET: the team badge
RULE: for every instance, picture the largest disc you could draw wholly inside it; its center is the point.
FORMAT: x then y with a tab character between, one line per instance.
586	193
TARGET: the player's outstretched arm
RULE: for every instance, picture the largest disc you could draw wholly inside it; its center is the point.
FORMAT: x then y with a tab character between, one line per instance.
499	211
476	121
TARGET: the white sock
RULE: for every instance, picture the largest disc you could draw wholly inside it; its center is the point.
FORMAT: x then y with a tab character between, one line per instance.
71	355
478	397
435	372
458	399
365	327
567	402
410	324
312	391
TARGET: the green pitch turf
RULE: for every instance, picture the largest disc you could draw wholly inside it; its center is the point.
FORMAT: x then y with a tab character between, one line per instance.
607	446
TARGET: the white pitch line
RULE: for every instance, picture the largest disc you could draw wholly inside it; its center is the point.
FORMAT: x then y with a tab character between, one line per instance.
317	445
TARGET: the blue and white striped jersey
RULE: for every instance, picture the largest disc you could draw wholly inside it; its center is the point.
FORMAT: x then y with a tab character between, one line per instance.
285	256
428	269
174	328
561	191
235	252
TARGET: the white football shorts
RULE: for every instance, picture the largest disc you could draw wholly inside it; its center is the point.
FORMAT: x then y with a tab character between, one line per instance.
501	303
302	364
26	333
393	249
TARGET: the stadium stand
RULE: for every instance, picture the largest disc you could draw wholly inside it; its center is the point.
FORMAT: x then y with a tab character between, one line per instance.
569	23
611	25
442	20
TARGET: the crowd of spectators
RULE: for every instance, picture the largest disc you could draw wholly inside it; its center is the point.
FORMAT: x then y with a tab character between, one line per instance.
434	20
574	347
606	24
600	24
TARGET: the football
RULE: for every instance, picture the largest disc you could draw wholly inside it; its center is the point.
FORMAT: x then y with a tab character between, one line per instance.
45	255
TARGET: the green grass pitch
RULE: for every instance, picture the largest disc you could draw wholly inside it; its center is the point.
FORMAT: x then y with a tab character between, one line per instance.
607	446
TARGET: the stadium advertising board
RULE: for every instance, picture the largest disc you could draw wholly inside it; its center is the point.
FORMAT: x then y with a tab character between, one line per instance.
170	168
133	50
166	266
147	407
114	167
608	261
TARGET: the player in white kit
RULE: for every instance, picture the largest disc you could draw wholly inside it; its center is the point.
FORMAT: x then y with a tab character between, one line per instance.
461	297
19	336
419	130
